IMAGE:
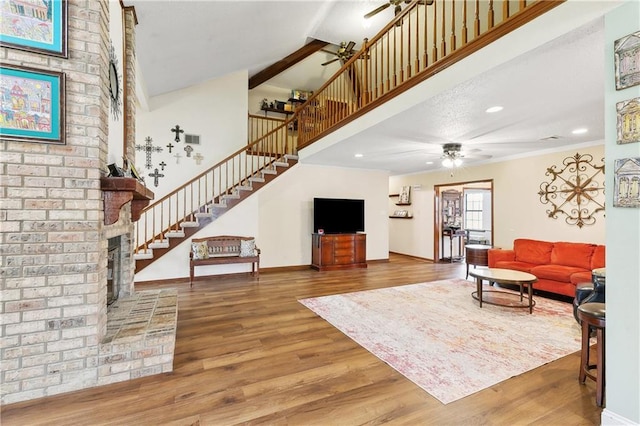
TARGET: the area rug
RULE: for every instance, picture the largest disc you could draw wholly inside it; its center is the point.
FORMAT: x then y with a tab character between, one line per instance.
438	337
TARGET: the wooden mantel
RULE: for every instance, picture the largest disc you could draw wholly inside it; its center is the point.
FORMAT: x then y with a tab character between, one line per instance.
118	191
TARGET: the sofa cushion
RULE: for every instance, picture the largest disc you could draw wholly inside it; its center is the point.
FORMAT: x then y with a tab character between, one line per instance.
555	272
597	259
514	264
533	251
581	277
572	254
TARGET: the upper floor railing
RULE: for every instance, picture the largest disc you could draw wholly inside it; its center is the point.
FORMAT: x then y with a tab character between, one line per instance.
426	37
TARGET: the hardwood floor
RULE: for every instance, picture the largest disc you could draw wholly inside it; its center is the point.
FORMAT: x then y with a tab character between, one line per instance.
248	352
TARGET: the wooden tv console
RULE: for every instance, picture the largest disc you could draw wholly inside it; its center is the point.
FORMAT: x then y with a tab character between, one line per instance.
330	252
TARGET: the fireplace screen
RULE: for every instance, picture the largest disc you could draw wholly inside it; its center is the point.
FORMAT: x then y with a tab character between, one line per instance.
113	270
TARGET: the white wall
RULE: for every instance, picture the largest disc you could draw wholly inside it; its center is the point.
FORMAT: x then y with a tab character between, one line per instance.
517	210
286	211
116	125
623	247
271	93
280	216
216	110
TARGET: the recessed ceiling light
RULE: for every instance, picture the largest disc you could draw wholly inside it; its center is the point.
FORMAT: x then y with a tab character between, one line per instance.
429	162
358	155
494	109
580	131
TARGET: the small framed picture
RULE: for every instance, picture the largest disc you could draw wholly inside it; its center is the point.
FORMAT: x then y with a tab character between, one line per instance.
405	195
628	121
627	60
626	183
134	171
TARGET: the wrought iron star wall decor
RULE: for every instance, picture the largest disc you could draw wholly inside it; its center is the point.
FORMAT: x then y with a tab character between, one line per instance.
576	191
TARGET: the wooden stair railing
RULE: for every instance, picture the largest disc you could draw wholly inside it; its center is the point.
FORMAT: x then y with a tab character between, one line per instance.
179	214
419	42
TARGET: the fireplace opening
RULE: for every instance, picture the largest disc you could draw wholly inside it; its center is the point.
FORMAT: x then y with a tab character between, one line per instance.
114	276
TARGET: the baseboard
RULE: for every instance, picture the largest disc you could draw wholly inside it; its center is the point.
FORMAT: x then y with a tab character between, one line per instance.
413	257
609	418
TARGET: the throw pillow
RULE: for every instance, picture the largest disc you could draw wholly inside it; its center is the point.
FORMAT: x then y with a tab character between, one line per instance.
200	250
247	248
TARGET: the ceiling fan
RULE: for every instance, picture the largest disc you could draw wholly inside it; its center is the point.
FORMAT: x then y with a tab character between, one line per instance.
344	52
397	8
452	155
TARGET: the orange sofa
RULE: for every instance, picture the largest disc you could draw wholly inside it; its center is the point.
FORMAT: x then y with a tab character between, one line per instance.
559	266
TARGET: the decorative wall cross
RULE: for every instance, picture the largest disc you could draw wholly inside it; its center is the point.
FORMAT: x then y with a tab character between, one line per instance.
178	157
163	165
198	157
148	150
177	130
156	176
170	146
189	150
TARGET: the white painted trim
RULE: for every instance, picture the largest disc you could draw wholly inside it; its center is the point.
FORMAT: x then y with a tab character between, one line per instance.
609	418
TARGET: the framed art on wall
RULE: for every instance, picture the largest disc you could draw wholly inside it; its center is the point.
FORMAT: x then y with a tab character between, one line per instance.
626	183
32	108
627	60
628	121
35	26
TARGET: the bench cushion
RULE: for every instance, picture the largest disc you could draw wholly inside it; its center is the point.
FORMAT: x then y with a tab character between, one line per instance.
247	248
200	250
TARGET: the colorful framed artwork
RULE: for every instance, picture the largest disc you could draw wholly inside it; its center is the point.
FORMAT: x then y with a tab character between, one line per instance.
32	105
627	61
628	121
38	26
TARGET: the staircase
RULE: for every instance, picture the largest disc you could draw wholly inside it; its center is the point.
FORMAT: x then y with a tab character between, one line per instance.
177	216
422	40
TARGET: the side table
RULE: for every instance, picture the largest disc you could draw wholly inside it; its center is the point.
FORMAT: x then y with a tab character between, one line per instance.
476	255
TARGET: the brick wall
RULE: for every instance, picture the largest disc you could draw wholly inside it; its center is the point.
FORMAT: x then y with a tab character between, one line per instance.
53	310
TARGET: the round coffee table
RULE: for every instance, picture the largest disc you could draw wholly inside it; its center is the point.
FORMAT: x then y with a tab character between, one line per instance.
504	298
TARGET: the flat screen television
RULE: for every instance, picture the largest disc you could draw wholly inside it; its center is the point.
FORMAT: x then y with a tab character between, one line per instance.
338	215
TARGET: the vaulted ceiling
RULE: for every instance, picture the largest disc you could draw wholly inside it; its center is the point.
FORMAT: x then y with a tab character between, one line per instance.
546	93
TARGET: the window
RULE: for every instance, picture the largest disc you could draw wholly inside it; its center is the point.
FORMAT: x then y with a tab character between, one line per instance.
473	210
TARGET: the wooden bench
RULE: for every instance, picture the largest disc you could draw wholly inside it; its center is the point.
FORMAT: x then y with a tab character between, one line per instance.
223	250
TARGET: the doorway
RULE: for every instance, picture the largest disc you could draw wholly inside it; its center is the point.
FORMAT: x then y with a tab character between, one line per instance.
463	215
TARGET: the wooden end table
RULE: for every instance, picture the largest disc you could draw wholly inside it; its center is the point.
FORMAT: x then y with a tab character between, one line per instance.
504	298
476	255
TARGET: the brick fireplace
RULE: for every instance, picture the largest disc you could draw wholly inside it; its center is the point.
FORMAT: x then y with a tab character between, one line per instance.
57	332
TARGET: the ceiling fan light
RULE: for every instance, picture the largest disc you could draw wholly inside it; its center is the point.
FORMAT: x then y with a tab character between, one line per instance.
447	162
457	162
